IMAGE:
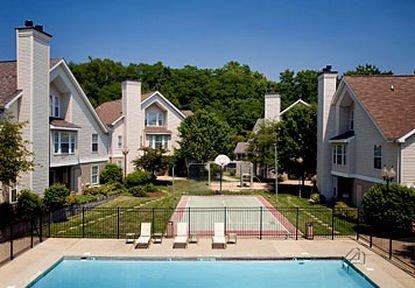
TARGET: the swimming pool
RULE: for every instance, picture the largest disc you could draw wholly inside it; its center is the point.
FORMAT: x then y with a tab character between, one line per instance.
106	273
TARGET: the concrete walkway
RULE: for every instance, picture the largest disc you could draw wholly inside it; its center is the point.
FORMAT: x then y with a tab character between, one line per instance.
28	266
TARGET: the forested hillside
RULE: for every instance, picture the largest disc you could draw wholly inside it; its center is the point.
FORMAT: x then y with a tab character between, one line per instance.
234	92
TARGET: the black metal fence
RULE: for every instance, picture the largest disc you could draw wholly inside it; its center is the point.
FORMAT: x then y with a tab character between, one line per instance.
259	222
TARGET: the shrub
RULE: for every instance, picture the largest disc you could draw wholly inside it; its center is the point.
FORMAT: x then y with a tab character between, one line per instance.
29	204
150	188
6	214
391	209
343	210
55	196
138	177
111	173
138	191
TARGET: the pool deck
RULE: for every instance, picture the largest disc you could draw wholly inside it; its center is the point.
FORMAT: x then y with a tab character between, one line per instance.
29	265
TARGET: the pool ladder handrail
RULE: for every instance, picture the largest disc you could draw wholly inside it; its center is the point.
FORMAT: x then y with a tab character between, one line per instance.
358	255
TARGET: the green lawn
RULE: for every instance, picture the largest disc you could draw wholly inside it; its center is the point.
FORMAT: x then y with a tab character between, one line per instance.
125	213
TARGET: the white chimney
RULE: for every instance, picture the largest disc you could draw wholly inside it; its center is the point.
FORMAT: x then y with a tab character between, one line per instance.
33	54
327	81
272	107
131	107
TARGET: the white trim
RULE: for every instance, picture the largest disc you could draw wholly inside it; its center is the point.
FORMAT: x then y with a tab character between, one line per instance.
116	120
15	98
143	103
357	176
81	92
10	188
299	101
95	183
78	162
63	128
406	136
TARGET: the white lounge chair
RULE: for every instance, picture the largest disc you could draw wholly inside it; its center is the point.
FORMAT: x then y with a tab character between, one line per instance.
145	236
182	236
219	238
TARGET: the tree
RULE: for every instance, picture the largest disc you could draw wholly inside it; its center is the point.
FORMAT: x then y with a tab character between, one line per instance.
153	161
111	173
15	158
297	138
204	136
390	208
366	70
262	144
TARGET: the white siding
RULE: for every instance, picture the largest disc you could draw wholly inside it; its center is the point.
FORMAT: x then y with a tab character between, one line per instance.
408	161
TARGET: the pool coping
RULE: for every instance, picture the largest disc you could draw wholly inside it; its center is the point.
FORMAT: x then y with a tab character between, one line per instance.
179	258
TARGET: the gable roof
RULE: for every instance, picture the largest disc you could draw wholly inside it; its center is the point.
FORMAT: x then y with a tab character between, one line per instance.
390	101
111	111
8	80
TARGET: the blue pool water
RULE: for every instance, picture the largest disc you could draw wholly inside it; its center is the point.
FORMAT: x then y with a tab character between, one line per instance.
189	273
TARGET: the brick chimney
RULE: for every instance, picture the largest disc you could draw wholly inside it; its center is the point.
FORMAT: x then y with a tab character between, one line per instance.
327	81
33	54
131	107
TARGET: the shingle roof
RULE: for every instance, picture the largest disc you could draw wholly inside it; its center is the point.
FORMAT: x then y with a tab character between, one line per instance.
62	123
8	80
390	100
109	111
112	110
150	130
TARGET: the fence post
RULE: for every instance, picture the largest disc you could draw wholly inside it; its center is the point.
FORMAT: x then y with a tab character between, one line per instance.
260	223
11	242
390	247
152	220
358	224
40	228
188	232
118	222
224	221
332	223
83	222
296	223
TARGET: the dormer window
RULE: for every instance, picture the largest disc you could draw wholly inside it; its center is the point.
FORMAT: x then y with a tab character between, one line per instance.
54	106
154	118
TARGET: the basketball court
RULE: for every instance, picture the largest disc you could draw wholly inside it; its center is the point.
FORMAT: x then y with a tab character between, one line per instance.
242	215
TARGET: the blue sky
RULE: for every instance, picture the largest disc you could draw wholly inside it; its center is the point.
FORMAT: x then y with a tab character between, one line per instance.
269	36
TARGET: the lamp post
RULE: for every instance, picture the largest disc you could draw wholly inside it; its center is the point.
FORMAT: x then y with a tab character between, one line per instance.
125	152
388	175
300	162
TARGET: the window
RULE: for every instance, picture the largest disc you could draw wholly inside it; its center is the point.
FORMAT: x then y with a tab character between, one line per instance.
64	142
94	142
94	174
119	141
154	118
351	120
339	154
377	156
54	106
158	141
13	193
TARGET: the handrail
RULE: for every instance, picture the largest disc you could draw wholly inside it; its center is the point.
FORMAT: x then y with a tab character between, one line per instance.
351	250
358	253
